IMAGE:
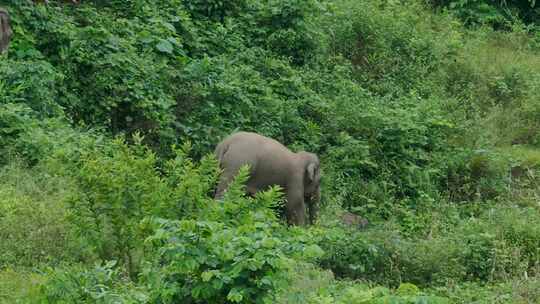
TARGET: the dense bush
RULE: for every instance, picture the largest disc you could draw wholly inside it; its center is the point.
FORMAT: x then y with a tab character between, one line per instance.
34	225
34	83
168	80
116	191
109	110
516	291
488	248
119	185
394	51
235	252
81	284
496	13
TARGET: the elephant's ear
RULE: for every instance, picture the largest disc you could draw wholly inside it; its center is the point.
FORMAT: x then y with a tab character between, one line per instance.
310	170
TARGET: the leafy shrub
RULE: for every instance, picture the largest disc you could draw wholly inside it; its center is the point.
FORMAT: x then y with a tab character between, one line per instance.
242	92
241	259
33	140
512	291
14	121
493	246
118	187
390	96
226	265
495	13
101	61
393	49
215	10
287	29
478	175
312	286
395	159
19	286
120	73
350	254
34	225
520	233
83	284
191	184
385	257
307	282
33	83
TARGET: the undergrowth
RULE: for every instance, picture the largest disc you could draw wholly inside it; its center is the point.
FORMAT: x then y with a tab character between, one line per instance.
425	121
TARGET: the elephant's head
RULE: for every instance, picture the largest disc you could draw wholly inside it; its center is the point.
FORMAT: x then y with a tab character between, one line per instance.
312	173
312	182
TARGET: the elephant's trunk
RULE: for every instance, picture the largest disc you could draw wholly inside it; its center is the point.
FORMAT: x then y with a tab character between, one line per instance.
315	200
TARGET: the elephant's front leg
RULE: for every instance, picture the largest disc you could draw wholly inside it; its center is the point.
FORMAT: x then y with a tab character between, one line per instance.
296	209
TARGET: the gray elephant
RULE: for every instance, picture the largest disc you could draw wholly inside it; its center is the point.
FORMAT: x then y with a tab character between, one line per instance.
271	163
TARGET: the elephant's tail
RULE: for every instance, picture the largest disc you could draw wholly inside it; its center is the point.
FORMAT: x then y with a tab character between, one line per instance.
220	151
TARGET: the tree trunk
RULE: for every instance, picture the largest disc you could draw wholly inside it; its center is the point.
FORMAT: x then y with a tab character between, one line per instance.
5	30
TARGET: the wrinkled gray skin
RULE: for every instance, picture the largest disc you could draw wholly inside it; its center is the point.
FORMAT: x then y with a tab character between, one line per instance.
271	163
5	30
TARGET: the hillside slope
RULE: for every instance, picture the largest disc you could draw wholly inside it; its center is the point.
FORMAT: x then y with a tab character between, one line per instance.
427	127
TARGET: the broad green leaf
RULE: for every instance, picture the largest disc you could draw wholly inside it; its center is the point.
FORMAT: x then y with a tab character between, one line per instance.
165	46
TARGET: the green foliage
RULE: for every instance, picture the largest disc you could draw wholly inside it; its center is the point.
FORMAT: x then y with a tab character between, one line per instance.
28	91
215	10
237	253
478	175
412	114
14	121
393	50
129	69
520	291
310	285
31	139
34	83
82	284
19	286
351	255
497	13
220	265
494	246
395	159
249	82
107	60
118	186
34	226
189	184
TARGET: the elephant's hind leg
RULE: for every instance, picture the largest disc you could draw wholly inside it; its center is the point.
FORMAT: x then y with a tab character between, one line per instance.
224	180
231	159
230	166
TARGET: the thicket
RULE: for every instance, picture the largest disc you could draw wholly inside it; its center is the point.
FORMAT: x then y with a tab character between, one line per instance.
497	13
109	110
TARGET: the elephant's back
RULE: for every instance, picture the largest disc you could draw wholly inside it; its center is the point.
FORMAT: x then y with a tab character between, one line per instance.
259	149
250	138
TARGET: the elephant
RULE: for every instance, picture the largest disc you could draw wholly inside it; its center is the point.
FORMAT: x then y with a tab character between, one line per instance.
5	30
271	163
